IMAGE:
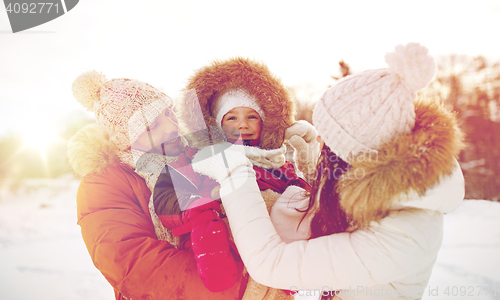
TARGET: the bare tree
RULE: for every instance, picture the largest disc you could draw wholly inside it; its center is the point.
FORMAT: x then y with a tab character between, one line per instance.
344	70
471	88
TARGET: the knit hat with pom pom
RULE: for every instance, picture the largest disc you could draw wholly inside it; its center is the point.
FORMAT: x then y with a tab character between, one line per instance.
364	111
123	107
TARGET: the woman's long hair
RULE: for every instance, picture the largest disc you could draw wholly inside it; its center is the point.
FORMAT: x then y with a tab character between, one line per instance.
329	218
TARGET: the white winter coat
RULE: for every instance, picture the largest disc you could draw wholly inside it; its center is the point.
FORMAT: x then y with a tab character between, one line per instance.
393	257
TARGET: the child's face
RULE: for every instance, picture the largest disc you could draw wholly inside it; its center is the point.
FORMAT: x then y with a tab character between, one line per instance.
242	121
163	130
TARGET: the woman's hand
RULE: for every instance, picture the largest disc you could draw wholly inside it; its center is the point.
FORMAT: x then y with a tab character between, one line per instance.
303	138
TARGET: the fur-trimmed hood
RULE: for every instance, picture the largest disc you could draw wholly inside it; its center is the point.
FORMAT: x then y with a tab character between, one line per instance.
415	170
252	76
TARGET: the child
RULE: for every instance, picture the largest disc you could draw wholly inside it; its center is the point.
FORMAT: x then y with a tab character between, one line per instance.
243	125
243	103
241	120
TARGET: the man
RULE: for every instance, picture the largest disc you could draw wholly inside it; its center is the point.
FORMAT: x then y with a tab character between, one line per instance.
119	159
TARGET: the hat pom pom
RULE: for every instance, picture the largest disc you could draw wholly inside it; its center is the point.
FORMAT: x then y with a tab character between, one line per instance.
86	88
412	63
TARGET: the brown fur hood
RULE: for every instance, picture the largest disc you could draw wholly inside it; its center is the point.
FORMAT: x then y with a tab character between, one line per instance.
91	151
254	77
412	168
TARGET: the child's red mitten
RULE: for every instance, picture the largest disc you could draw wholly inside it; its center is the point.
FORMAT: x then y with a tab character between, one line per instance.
210	243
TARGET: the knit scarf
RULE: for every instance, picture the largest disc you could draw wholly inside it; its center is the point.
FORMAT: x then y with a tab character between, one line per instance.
268	159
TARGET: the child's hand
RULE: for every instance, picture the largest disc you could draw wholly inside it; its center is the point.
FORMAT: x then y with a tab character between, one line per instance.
199	207
217	267
200	211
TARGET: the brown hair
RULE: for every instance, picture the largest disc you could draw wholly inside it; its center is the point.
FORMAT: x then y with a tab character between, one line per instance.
330	217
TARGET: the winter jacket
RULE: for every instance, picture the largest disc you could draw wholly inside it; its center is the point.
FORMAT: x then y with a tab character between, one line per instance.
183	202
117	228
177	187
196	114
416	176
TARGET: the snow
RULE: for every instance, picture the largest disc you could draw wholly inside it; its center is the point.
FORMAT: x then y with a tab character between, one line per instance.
469	257
42	254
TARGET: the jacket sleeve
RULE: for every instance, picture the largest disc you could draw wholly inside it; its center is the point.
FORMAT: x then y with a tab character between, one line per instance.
334	262
119	235
173	193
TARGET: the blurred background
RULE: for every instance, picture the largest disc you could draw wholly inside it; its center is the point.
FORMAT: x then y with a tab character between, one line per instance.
468	85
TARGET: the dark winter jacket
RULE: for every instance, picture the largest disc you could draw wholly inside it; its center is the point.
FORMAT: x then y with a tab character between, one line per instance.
177	187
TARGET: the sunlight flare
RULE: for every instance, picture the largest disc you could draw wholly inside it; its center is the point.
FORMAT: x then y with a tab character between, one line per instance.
40	135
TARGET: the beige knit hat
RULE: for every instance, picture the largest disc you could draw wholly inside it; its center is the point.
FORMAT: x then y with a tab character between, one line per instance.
366	110
123	107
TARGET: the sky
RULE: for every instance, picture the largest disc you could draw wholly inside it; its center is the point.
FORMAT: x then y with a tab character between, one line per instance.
164	42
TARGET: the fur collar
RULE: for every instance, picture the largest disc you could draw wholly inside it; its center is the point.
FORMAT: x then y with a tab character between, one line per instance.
210	81
410	164
91	151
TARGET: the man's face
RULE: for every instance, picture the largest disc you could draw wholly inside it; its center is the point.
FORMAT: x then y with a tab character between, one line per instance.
162	136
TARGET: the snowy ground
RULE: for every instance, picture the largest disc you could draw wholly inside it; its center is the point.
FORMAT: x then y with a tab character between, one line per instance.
42	255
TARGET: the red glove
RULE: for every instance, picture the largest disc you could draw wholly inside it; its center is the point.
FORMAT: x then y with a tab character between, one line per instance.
217	267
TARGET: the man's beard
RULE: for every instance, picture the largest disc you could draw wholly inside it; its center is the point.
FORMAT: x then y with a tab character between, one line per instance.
170	148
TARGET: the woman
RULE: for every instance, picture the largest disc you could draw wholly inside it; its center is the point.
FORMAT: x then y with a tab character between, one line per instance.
387	175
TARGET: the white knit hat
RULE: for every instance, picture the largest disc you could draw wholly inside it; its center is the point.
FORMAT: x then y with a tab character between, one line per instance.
235	98
123	107
364	111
